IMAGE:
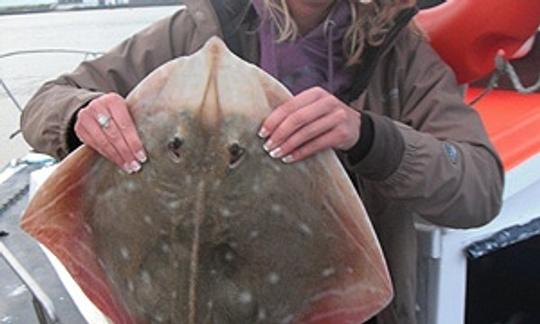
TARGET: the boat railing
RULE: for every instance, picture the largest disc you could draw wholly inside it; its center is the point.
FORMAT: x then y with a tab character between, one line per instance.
43	306
86	54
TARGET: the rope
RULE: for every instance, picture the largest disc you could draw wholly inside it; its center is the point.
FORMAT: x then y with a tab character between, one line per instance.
504	67
516	82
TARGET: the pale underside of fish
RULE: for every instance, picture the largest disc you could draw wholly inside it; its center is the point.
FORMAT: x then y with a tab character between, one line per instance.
212	230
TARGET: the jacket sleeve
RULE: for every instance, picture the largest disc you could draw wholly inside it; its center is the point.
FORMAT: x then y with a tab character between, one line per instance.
436	160
48	118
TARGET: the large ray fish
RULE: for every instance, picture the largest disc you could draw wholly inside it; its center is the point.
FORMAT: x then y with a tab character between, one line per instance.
212	230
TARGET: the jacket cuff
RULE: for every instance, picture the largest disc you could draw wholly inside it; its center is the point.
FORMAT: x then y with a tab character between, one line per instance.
359	151
385	152
71	141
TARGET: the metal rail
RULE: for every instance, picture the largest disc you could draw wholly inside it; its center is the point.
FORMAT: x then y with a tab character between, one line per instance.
43	305
87	54
10	95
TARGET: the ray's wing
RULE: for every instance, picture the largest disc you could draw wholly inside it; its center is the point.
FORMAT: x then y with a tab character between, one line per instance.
313	233
60	214
56	218
345	205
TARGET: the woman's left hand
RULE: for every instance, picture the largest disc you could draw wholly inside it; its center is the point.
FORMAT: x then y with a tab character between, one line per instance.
310	122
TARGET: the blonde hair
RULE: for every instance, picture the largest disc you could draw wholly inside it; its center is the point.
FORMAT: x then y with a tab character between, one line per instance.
370	22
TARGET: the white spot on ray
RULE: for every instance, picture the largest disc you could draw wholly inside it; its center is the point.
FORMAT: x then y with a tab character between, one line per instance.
159	318
253	234
145	276
107	194
148	220
305	229
287	319
216	184
225	212
276	209
256	187
245	297
130	185
188	180
174	294
328	272
165	248
130	285
88	229
174	204
273	278
261	315
125	253
229	256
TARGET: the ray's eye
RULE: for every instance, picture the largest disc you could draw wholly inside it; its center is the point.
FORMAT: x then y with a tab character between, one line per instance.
174	146
236	154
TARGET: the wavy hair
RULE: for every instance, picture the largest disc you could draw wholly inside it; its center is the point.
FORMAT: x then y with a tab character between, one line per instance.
370	22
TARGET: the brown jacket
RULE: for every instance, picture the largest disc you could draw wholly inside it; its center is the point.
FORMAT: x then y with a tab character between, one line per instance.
430	154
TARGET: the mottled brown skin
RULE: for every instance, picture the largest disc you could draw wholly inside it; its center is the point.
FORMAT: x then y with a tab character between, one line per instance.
212	230
267	241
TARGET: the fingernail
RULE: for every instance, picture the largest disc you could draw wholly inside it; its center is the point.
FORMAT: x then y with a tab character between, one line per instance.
263	133
141	156
288	159
268	145
277	153
127	168
135	166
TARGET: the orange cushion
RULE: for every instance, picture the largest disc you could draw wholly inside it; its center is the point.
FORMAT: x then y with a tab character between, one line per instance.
512	121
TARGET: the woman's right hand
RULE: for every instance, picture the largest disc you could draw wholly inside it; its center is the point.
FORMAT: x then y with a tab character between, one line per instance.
105	125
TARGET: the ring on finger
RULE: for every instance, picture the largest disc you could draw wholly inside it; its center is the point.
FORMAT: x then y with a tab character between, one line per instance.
103	120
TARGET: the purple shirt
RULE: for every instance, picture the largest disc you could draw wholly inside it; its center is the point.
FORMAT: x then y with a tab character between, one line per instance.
313	59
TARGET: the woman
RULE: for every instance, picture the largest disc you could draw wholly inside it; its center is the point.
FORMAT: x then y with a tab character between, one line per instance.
365	84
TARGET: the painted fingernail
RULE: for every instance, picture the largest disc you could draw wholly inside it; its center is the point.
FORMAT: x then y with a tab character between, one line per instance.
288	159
127	168
135	166
268	145
263	133
141	156
277	153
